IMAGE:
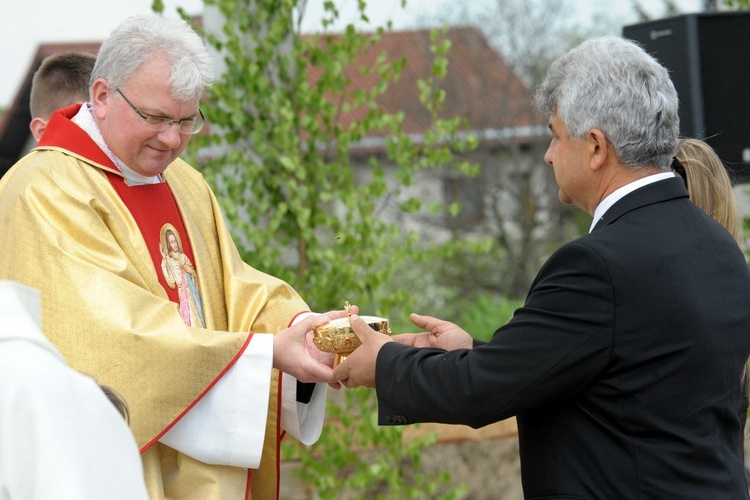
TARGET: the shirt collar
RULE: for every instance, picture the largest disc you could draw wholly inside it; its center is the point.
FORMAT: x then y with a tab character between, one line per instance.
85	119
619	193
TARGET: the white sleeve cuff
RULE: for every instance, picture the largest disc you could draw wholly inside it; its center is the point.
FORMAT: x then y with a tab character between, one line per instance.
302	421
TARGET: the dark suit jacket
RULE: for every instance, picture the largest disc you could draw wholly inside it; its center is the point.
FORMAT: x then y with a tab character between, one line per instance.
624	367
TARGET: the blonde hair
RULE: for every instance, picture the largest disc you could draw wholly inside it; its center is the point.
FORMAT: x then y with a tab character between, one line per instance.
709	185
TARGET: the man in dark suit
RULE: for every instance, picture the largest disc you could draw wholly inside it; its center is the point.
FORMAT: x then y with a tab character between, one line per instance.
625	366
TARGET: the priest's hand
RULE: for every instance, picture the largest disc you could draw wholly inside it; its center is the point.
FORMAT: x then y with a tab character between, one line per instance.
440	334
292	352
358	369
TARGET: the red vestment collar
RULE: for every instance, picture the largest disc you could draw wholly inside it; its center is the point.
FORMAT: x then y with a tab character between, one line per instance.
62	132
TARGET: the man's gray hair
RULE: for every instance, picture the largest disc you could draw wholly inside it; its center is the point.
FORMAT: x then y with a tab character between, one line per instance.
139	38
613	85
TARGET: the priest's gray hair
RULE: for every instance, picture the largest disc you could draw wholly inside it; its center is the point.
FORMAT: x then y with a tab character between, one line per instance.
142	37
613	85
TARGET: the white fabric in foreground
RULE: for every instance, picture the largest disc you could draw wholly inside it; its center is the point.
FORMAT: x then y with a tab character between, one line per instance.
61	437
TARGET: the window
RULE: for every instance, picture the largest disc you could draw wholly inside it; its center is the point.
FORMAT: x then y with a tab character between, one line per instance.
468	192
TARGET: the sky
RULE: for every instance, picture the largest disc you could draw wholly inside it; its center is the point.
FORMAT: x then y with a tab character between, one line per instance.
24	24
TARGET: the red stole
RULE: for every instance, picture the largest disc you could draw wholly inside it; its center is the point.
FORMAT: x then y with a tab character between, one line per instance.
152	205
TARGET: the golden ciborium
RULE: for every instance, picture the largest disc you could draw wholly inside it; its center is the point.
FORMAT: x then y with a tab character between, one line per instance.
337	336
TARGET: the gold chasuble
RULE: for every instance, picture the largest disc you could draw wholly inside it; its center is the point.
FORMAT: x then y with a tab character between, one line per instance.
143	289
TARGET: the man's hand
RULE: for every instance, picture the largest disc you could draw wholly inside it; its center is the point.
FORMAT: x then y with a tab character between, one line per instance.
440	334
358	369
292	350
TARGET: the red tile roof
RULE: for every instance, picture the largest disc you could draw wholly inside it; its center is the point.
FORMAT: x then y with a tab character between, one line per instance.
479	85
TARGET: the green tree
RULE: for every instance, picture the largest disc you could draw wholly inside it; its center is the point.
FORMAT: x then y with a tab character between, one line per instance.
279	158
284	115
524	221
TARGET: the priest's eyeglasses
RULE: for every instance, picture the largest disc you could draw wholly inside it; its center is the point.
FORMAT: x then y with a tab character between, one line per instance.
162	123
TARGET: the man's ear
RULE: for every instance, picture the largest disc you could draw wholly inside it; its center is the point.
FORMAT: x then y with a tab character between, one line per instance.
37	127
601	148
101	97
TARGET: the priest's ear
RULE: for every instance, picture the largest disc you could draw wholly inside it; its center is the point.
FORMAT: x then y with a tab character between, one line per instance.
37	127
101	94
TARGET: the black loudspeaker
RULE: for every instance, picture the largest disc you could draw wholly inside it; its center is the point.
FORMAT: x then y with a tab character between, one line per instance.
708	57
